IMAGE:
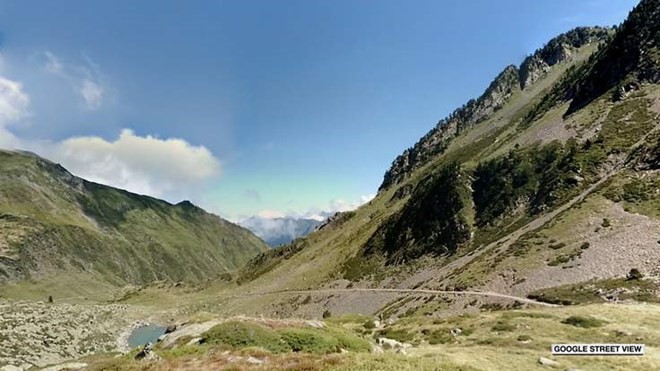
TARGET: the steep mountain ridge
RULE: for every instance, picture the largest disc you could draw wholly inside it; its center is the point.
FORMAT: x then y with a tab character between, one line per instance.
543	199
54	224
512	79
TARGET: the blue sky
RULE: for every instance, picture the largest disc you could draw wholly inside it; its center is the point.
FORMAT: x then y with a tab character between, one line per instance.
250	107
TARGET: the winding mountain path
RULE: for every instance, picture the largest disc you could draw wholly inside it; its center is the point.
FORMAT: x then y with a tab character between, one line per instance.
397	291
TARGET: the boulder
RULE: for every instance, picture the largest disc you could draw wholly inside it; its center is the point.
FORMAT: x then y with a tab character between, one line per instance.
377	349
170	328
548	362
315	324
194	341
389	343
147	354
255	361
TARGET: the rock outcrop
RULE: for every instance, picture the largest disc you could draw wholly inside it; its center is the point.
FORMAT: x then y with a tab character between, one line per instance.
498	93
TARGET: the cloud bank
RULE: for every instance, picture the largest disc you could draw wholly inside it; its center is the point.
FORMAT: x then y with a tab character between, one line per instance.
141	164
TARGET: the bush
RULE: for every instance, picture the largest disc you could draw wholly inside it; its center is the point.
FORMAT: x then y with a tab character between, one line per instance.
242	334
326	314
524	338
606	223
503	327
440	336
634	274
584	322
309	341
369	324
401	334
584	246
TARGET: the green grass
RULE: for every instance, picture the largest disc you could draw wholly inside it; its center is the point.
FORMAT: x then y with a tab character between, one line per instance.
593	292
399	334
111	236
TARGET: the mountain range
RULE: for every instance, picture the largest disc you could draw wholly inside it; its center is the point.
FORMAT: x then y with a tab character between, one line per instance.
538	185
281	231
56	227
501	231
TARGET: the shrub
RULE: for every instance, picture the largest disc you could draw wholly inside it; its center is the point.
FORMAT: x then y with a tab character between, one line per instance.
326	314
585	245
369	324
440	336
309	341
635	274
50	298
606	223
503	327
584	322
400	334
242	334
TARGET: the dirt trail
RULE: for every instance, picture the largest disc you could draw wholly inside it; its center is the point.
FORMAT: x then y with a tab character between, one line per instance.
400	291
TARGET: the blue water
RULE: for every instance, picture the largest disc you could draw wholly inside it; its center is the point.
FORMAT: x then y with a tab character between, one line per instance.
145	334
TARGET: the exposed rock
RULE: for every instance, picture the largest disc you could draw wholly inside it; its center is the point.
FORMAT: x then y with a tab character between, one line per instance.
147	354
389	343
57	332
510	80
195	341
548	362
623	333
377	349
556	51
315	323
255	361
66	366
192	330
170	328
11	368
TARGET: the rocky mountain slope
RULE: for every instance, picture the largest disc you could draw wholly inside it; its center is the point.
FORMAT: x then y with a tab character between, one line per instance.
57	227
547	179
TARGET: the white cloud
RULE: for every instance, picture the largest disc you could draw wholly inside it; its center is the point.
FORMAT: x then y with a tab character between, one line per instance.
343	205
53	64
92	94
85	78
13	101
142	164
13	107
271	214
316	213
146	165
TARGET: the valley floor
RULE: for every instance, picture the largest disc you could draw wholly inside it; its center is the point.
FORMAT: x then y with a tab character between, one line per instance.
42	334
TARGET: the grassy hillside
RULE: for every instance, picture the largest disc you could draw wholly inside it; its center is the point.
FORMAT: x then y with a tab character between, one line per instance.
54	226
520	213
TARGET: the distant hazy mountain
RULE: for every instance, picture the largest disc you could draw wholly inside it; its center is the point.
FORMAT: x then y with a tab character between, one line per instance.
279	231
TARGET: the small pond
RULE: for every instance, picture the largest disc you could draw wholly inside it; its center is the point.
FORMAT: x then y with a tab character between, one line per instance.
145	334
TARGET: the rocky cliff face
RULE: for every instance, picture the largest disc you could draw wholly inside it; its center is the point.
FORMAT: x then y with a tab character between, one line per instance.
509	81
556	51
